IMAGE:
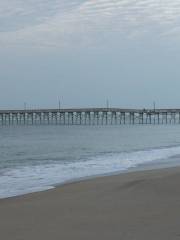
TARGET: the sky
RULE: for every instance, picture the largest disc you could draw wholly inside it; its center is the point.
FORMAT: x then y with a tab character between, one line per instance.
83	52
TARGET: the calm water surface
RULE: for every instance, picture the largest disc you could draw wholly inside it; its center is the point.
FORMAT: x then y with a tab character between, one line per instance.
35	158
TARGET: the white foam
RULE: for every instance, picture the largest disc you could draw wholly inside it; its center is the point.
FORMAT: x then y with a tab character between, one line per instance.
38	178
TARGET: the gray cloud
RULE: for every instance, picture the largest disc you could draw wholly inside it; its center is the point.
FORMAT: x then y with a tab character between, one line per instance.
84	51
58	23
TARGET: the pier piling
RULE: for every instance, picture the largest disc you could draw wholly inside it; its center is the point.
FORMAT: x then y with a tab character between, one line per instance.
89	116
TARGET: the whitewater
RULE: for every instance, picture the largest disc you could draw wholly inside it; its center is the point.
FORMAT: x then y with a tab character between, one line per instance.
38	158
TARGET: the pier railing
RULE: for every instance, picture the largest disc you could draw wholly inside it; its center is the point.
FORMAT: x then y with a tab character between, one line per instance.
89	116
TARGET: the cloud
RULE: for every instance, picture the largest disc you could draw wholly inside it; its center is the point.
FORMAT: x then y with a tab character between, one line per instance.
54	23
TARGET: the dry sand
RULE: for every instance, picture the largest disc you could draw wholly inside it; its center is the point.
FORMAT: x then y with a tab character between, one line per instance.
136	206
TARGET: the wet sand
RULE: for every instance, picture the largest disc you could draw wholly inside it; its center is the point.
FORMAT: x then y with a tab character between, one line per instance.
135	206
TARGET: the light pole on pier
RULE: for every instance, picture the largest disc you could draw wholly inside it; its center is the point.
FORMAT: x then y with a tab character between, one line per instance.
25	105
154	106
107	103
59	104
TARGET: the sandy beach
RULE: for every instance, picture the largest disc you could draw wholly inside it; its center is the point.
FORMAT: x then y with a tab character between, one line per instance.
139	205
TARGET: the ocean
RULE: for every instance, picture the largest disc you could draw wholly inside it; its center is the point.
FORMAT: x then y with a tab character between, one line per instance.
37	158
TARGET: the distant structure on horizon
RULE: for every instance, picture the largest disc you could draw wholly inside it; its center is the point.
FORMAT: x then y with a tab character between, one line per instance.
89	116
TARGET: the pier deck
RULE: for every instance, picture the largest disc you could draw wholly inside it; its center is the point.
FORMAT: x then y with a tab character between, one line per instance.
89	116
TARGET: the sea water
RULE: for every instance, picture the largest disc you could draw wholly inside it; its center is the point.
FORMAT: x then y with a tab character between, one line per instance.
36	158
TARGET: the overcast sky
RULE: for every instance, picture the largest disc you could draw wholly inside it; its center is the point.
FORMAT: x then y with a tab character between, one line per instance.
85	51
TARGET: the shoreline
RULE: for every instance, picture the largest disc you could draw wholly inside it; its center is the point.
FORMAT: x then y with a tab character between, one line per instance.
135	169
134	205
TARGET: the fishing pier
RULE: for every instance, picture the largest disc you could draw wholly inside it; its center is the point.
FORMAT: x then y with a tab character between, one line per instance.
89	116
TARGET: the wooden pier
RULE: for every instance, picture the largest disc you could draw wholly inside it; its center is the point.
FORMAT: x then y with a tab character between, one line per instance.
89	116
